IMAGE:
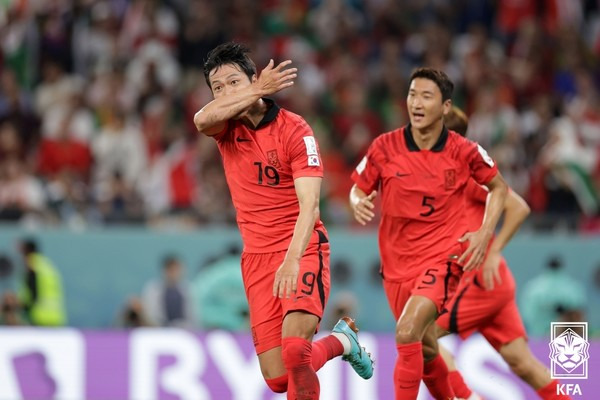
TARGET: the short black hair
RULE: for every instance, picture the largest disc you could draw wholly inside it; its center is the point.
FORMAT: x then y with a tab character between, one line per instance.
555	262
229	53
438	76
169	260
29	245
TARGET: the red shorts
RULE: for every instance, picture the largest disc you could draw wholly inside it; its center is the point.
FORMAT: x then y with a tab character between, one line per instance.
494	312
437	283
267	311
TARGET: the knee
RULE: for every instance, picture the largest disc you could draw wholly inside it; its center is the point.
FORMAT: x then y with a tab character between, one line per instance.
407	333
279	384
295	351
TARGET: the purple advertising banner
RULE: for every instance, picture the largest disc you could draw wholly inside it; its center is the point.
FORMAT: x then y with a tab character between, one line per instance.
170	364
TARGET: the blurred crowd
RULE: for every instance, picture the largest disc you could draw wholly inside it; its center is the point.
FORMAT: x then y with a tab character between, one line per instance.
97	98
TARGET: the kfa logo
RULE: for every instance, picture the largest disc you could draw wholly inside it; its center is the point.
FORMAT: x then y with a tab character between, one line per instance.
569	354
568	388
569	350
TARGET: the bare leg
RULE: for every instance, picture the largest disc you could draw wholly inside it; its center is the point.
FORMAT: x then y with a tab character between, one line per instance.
522	362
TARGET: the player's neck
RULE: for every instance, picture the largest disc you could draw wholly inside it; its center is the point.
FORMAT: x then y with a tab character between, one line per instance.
426	138
255	114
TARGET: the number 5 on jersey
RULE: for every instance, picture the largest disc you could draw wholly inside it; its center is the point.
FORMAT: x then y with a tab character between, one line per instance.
428	204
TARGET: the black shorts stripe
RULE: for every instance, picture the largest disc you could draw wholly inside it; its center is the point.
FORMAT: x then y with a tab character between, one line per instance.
320	286
454	312
477	283
322	237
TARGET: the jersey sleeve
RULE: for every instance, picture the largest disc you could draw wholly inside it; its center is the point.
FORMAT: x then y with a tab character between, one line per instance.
483	169
303	152
367	174
475	192
221	135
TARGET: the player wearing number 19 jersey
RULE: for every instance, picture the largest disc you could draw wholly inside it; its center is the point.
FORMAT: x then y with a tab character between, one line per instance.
274	170
421	171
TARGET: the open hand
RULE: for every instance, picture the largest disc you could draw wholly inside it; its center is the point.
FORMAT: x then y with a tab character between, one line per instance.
363	209
491	270
478	242
273	79
286	279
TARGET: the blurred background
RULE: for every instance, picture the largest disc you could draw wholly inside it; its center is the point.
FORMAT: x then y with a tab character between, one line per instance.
127	208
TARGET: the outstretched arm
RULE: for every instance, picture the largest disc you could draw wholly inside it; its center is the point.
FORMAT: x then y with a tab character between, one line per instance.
308	191
213	117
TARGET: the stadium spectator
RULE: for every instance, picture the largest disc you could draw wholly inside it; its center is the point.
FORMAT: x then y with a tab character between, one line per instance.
64	66
218	291
167	301
41	292
133	314
548	296
10	310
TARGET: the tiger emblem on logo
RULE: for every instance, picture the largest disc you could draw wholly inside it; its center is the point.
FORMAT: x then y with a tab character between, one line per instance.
569	350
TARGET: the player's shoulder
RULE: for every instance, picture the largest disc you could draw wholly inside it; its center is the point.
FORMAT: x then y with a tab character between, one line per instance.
386	139
291	119
459	145
458	140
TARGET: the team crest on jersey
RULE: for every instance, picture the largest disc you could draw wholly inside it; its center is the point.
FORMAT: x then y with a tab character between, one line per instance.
449	179
273	159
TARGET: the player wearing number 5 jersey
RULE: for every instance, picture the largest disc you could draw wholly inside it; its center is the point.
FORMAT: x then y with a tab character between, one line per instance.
274	171
421	171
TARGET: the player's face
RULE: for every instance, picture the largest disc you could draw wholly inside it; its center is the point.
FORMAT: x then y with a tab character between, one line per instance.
227	79
424	103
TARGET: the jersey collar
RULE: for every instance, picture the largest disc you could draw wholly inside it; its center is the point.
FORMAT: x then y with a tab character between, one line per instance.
270	115
412	145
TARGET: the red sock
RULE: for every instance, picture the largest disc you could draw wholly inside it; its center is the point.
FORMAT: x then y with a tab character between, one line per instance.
548	392
303	383
435	376
408	371
459	386
324	350
279	384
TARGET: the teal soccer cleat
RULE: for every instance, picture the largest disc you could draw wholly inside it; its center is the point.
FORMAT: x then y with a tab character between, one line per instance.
358	357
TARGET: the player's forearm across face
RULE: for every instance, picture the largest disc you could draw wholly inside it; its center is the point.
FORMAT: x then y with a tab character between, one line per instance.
216	113
516	211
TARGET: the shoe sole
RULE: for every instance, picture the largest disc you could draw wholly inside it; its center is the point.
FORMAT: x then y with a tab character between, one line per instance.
351	324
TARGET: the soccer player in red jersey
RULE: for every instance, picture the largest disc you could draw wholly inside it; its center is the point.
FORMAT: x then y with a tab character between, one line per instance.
274	172
485	299
421	171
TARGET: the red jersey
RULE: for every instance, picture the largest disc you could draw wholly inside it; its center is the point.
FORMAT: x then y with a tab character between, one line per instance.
476	199
260	166
422	202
